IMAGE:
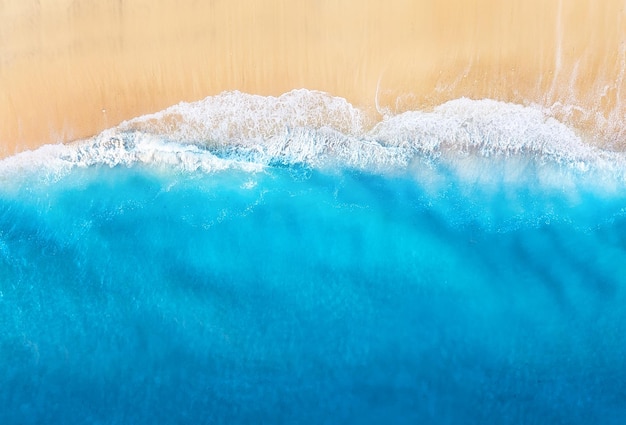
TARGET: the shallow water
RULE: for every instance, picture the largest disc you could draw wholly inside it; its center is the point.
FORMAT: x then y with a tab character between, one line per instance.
461	266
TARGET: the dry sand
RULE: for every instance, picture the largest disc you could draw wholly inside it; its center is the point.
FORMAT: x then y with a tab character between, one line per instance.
69	69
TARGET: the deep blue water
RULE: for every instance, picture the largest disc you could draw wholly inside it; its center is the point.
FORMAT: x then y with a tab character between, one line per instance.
301	295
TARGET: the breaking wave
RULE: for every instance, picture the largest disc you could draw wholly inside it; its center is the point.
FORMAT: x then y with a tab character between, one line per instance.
237	130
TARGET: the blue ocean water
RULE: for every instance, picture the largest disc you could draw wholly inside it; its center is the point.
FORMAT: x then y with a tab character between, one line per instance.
460	266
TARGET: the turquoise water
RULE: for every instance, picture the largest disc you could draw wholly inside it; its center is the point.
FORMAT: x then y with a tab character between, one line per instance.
317	274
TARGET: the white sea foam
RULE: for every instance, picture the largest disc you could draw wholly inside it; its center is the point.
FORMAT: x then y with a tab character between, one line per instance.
235	116
313	128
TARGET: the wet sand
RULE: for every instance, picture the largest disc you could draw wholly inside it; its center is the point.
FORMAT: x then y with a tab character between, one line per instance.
69	69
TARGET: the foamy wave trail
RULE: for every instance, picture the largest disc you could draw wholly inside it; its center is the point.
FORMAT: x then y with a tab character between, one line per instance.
248	259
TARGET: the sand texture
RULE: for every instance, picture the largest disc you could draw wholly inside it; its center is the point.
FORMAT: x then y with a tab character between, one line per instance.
69	69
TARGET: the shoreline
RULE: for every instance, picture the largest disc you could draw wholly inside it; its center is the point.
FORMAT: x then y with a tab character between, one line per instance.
70	69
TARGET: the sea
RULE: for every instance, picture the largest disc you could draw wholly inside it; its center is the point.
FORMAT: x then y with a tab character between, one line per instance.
285	260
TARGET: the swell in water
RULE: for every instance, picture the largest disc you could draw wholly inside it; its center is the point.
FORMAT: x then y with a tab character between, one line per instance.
249	259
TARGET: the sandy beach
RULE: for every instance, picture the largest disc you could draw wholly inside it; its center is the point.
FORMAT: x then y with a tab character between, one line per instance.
71	68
